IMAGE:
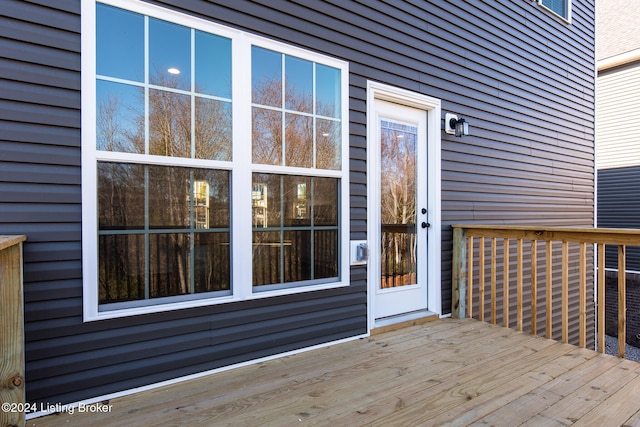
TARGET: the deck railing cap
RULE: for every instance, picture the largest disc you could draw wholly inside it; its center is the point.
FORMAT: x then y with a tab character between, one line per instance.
8	241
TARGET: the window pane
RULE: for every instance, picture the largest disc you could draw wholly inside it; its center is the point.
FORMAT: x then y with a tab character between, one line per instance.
325	196
299	84
168	190
120	196
558	6
121	268
119	117
328	94
211	195
288	244
326	254
328	145
169	260
266	196
266	258
297	200
213	64
119	43
297	256
213	129
299	140
169	54
267	136
266	77
169	124
212	262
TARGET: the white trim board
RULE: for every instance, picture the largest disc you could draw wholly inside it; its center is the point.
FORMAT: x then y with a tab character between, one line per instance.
380	91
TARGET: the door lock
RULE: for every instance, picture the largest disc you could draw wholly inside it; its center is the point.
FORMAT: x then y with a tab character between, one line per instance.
425	225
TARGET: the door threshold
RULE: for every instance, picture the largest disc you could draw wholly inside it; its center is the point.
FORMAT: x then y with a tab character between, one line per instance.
404	320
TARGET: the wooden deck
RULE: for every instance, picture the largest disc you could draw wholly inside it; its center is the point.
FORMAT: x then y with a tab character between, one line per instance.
445	372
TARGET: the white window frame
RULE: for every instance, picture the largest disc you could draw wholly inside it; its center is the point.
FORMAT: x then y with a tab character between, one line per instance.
241	169
569	6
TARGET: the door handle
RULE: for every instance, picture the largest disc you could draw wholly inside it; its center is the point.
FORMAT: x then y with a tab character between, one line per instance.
425	225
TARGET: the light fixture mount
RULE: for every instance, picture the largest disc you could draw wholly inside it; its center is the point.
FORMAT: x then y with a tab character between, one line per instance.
455	126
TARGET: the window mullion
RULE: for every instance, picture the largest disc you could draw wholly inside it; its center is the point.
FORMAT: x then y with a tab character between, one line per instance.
146	85
192	95
241	229
147	267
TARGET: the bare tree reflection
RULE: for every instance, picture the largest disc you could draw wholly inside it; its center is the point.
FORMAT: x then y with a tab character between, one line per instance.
398	207
156	200
294	135
161	236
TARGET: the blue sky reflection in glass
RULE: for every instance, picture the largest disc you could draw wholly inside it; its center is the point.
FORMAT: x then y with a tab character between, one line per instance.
213	65
169	54
120	43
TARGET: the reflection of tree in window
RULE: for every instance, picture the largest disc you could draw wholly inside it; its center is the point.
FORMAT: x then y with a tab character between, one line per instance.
300	241
169	224
301	136
398	203
120	124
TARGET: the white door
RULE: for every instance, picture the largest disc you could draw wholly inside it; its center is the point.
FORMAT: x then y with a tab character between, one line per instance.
398	188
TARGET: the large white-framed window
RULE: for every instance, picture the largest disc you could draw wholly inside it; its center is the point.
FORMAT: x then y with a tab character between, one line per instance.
561	8
214	163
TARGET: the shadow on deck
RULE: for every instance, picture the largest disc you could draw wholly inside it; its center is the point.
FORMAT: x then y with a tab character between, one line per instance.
445	372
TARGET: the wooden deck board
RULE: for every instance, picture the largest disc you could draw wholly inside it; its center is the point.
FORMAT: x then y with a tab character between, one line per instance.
446	372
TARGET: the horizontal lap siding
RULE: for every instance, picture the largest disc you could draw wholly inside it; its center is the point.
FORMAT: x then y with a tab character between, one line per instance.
618	156
522	79
618	207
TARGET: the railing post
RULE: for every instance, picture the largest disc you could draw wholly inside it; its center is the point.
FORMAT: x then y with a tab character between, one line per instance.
11	330
459	274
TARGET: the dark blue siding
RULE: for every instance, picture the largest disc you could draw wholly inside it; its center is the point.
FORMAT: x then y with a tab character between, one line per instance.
522	79
618	207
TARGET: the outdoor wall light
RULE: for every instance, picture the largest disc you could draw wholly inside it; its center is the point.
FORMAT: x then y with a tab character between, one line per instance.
455	126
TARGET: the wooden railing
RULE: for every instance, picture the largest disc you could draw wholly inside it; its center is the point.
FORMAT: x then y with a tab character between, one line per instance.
470	280
11	332
398	254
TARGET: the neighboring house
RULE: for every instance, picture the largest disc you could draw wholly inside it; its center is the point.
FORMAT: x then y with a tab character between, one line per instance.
618	102
196	181
618	146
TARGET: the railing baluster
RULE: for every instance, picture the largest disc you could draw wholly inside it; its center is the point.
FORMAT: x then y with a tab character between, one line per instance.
519	286
549	289
622	300
470	277
565	291
534	287
505	285
602	285
481	280
583	295
494	308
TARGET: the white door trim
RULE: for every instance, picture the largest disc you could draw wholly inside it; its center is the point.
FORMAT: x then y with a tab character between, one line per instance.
379	91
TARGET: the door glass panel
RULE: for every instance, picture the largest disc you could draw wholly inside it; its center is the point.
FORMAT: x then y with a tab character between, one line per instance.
398	203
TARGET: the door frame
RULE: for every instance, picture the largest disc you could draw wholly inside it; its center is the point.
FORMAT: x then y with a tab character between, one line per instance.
431	106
